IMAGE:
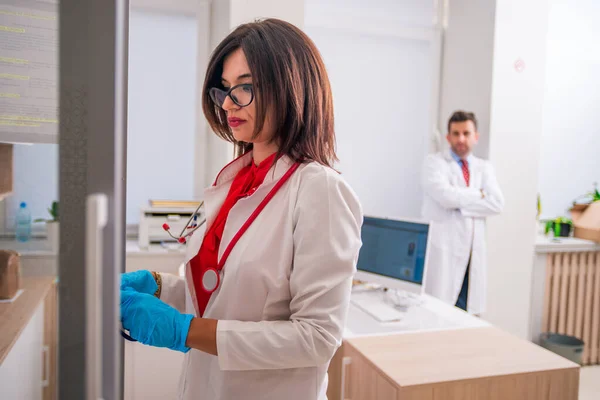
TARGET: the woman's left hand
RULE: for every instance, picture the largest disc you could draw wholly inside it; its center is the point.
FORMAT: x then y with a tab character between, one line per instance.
153	322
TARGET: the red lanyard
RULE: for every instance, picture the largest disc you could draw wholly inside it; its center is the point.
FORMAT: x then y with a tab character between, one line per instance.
206	279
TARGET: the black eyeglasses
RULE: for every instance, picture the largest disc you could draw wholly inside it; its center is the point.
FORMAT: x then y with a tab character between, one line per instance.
242	95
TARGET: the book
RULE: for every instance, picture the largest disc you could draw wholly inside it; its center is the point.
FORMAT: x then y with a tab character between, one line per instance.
174	203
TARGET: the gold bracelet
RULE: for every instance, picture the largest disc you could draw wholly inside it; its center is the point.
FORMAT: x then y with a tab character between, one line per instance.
158	280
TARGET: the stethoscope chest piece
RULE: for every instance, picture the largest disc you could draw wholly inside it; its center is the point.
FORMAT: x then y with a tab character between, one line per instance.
210	280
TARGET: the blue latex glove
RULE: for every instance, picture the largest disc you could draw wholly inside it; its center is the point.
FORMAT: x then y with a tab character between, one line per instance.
153	322
141	281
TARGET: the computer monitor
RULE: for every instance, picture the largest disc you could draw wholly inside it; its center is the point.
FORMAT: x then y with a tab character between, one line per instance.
394	253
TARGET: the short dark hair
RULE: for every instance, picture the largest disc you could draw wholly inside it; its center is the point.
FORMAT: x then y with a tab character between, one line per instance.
289	75
462	116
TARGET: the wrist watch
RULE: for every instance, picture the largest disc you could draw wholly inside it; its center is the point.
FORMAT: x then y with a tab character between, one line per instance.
158	280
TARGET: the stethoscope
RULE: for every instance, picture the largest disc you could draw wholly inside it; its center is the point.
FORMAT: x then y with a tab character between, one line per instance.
209	278
126	336
190	227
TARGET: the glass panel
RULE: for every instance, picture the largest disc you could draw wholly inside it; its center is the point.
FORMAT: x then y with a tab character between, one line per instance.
35	182
28	71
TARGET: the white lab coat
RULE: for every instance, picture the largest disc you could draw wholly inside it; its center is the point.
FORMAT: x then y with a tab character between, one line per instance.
458	215
285	287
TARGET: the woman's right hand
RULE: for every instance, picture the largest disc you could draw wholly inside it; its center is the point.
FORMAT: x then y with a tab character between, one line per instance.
141	281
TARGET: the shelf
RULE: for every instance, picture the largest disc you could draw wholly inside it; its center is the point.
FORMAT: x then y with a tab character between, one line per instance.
546	244
28	138
5	195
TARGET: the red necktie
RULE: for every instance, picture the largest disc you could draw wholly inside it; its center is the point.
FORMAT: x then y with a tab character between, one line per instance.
465	170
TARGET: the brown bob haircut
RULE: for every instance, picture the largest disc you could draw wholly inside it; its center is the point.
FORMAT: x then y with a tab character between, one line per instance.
289	77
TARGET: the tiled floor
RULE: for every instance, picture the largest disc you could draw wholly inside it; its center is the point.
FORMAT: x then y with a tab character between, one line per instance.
589	383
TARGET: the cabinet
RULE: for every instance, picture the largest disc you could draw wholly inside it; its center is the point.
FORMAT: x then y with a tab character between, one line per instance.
50	345
152	373
28	342
149	373
21	371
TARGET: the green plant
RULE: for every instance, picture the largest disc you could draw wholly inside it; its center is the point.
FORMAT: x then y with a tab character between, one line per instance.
549	226
563	220
595	193
53	211
554	225
589	197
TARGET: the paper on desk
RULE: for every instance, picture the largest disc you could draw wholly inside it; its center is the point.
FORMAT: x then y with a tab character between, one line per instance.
16	296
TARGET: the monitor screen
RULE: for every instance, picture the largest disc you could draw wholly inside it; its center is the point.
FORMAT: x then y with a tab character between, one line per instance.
394	249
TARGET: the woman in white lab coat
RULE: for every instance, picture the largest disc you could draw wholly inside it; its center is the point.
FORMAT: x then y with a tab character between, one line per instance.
267	286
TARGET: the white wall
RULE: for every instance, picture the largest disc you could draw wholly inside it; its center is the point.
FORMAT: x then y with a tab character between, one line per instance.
242	11
382	128
162	109
467	66
569	161
381	70
515	137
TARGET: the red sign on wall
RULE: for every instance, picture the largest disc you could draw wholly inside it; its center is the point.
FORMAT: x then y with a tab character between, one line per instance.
519	65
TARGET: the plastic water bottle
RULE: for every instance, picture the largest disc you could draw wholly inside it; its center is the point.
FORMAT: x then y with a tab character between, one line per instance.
23	223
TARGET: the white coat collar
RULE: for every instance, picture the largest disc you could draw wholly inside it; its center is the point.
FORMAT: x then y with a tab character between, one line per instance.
229	172
215	195
448	156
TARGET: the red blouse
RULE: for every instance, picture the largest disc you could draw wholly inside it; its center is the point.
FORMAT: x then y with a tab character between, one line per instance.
244	184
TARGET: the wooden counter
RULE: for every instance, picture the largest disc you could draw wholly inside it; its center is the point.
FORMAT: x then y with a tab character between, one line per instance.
476	363
15	316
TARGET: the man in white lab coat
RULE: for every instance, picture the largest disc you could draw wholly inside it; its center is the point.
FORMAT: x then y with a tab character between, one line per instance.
461	191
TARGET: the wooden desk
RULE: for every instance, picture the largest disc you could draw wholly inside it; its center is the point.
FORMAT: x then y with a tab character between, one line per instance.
465	364
441	353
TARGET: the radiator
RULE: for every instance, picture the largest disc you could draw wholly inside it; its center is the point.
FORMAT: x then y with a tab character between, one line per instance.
572	299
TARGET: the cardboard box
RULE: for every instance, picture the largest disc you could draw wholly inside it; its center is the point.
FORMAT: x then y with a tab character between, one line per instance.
6	169
587	226
10	274
577	211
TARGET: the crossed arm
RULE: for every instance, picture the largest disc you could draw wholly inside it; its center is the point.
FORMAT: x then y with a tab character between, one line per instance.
472	202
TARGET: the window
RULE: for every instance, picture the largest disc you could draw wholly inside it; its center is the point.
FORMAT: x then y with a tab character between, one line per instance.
570	134
161	123
36	181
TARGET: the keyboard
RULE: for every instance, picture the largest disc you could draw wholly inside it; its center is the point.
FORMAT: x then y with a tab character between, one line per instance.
377	308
